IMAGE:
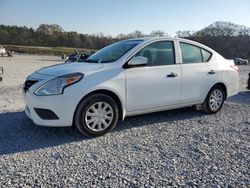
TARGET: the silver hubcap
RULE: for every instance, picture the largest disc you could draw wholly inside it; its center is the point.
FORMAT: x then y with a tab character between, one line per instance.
99	116
215	100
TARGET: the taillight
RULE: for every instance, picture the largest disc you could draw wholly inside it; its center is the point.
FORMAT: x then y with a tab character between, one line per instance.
235	68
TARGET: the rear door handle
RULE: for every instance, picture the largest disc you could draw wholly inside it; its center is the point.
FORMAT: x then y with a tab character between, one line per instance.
171	75
211	72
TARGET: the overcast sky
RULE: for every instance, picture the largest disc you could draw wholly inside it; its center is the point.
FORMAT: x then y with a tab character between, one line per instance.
112	17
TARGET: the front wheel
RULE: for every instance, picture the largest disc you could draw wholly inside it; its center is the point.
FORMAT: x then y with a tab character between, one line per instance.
96	115
215	100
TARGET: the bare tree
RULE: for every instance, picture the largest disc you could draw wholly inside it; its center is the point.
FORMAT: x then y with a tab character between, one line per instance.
159	33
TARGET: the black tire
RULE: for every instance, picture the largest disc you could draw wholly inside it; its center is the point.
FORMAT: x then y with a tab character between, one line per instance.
9	54
207	107
85	105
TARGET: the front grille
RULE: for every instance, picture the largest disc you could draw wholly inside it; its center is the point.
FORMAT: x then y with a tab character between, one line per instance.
28	84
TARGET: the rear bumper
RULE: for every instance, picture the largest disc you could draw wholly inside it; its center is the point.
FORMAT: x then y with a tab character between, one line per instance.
233	87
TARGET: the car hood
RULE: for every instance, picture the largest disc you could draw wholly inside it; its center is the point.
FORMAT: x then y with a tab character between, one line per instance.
68	68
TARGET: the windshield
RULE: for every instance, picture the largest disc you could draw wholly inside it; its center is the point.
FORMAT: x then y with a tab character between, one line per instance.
113	52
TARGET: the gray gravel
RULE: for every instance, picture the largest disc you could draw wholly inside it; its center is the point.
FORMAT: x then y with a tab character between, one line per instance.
177	148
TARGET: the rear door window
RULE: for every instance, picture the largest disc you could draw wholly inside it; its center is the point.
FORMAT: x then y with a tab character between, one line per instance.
194	54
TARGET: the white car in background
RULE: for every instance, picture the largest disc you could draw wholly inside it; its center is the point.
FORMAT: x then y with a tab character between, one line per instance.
2	50
5	53
130	77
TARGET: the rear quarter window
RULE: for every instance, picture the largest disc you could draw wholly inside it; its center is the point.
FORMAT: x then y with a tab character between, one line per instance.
206	55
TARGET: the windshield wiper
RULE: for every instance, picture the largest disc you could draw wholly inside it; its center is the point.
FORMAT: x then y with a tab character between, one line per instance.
91	61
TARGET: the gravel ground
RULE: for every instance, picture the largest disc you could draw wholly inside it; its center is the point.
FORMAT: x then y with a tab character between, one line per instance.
177	148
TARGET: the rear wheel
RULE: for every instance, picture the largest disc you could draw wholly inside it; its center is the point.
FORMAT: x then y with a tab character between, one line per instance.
96	115
215	100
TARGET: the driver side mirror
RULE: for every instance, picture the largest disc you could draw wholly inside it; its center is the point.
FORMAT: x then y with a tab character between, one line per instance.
138	60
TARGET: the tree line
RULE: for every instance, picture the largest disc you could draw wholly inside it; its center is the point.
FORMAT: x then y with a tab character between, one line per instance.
51	36
54	36
229	39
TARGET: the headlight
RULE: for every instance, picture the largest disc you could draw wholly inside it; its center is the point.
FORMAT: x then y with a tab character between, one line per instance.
57	85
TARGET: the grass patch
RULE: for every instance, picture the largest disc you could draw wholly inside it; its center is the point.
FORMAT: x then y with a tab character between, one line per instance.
43	50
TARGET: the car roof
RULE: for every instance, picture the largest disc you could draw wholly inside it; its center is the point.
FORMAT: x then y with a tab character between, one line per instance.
152	39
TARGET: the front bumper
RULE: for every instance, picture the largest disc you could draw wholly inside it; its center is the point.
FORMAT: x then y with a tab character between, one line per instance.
56	104
54	110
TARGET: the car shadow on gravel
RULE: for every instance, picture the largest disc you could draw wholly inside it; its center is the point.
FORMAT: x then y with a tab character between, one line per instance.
159	117
19	134
241	98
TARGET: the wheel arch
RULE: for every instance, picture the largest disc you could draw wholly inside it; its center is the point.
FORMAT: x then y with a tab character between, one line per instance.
221	85
109	93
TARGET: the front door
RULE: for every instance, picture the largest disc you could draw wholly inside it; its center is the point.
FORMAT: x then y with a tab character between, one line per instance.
156	85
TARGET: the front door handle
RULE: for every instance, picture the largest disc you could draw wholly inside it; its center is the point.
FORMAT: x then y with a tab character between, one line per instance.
211	72
172	75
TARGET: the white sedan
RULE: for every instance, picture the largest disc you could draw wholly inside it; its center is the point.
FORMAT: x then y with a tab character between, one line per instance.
129	77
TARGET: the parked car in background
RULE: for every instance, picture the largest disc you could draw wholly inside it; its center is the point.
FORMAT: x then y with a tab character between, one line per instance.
78	57
2	50
73	58
1	72
5	53
239	61
127	78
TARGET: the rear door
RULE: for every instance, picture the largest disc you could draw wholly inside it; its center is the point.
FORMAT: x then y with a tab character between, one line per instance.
198	72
